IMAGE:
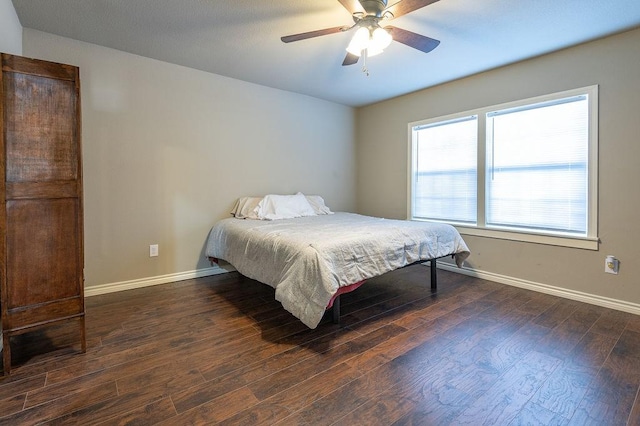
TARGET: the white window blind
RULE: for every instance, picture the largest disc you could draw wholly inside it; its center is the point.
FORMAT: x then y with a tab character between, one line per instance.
445	170
537	166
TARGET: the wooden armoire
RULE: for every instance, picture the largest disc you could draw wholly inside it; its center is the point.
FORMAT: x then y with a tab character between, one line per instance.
41	228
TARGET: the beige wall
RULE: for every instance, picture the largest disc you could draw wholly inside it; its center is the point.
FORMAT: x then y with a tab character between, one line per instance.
612	63
10	29
168	149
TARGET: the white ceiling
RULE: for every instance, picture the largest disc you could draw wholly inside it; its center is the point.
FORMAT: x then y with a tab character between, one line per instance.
241	38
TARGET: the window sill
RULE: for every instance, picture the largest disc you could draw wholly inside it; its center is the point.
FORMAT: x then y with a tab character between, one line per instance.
553	240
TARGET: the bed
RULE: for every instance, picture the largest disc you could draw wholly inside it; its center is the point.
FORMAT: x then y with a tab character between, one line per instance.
313	258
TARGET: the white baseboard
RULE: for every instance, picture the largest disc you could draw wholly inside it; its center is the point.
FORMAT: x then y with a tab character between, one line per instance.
150	281
606	302
619	305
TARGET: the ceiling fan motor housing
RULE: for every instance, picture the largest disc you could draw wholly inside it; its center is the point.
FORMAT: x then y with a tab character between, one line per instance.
374	7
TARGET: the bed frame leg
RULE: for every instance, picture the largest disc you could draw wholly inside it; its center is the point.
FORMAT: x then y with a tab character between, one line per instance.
335	311
434	278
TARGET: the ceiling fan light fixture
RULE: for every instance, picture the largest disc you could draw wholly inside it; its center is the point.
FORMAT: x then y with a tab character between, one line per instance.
373	50
359	42
380	38
373	41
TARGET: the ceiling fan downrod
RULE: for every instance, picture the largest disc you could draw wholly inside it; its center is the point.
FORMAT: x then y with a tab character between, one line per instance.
374	7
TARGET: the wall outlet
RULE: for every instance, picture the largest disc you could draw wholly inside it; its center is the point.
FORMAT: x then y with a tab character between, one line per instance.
153	250
611	265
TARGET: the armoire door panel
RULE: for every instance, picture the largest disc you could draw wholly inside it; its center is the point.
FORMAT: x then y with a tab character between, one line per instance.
39	132
42	250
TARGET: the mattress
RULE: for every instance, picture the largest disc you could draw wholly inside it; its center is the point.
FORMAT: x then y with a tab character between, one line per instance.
307	259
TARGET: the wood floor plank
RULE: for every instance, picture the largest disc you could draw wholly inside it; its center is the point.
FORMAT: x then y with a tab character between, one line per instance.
533	414
612	394
436	309
404	309
52	361
12	405
288	377
538	304
106	408
400	371
215	387
592	350
51	393
123	354
567	334
634	417
437	408
563	392
150	414
611	323
36	350
404	342
634	323
509	351
49	411
502	403
11	385
333	407
246	355
424	394
279	406
557	313
216	410
165	379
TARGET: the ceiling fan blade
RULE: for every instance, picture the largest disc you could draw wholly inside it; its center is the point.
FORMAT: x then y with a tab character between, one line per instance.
403	7
350	59
353	6
311	34
411	39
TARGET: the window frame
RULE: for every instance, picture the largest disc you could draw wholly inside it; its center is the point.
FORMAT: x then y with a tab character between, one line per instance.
415	161
589	242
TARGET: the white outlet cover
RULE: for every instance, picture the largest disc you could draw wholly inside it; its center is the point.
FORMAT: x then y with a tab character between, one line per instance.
611	265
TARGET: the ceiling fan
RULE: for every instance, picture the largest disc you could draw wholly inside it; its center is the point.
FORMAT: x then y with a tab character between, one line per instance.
370	38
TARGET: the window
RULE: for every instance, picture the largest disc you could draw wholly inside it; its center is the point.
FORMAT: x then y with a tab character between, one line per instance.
445	155
525	170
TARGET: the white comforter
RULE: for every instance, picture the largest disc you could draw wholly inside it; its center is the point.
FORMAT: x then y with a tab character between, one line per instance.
306	259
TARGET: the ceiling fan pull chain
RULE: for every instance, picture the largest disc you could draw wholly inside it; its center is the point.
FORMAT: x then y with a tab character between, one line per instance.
365	70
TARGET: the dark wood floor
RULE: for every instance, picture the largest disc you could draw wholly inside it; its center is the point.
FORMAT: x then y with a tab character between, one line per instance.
221	350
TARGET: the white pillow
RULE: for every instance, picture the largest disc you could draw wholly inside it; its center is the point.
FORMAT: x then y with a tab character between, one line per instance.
273	207
317	203
245	208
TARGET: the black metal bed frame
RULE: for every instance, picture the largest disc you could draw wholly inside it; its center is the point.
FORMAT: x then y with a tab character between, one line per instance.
335	309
